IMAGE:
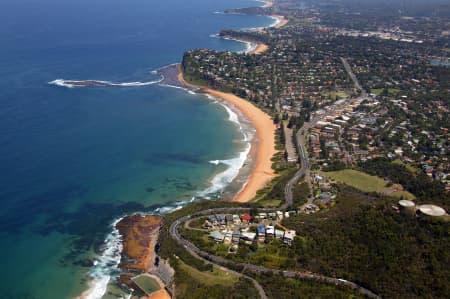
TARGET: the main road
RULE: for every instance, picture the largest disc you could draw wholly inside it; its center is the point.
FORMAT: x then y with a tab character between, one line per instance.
304	164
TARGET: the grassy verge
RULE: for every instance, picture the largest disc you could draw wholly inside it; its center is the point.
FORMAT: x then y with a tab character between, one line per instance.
214	277
365	182
274	192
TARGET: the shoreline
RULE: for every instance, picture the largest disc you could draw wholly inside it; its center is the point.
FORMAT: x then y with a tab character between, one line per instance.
258	48
262	149
282	21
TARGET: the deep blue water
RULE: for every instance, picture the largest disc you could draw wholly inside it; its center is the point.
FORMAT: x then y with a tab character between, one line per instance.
73	160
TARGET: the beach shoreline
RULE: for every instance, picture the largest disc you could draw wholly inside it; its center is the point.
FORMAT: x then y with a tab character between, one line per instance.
262	149
260	48
282	21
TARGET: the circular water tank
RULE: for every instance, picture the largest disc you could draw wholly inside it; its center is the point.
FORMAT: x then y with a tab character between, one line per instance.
432	210
406	203
407	206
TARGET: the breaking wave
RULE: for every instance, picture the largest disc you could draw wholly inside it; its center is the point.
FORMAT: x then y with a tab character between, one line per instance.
100	83
249	46
221	180
106	264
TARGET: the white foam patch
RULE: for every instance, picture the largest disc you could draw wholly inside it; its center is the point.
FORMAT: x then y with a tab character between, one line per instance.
249	46
276	21
106	264
101	83
224	178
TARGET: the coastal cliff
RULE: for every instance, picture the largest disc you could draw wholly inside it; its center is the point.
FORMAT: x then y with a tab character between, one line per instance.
139	233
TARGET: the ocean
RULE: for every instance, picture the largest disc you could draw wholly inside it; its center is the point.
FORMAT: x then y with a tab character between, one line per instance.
74	160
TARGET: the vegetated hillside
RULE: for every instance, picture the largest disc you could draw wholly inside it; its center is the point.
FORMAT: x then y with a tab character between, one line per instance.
277	286
364	240
424	188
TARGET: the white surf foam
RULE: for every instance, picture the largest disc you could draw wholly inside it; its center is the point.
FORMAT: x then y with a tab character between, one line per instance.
249	46
276	21
88	83
179	87
60	82
106	264
224	178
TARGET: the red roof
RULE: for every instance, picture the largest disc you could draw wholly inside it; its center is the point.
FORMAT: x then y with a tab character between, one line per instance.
246	217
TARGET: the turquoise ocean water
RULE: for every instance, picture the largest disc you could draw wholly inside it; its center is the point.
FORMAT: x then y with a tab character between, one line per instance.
75	159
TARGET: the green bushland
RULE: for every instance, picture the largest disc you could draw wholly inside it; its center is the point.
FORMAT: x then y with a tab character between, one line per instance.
410	167
362	239
287	288
274	191
300	192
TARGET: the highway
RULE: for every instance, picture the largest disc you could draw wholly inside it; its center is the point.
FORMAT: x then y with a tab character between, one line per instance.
353	77
304	165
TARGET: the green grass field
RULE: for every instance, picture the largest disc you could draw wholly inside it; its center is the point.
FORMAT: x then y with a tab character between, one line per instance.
341	94
216	277
363	181
391	91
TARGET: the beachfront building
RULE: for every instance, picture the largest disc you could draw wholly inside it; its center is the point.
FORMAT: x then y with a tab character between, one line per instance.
248	237
235	236
270	231
279	215
289	236
246	218
261	231
217	236
279	234
228	237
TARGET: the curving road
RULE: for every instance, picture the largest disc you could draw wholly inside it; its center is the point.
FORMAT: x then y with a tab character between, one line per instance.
221	262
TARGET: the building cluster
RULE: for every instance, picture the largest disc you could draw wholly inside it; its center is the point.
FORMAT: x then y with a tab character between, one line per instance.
290	72
231	229
405	113
395	34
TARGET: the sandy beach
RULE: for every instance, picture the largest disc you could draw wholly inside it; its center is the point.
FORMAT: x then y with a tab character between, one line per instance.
267	3
282	21
161	294
263	148
260	48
